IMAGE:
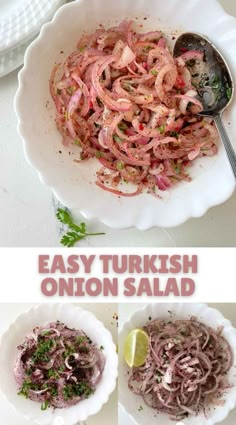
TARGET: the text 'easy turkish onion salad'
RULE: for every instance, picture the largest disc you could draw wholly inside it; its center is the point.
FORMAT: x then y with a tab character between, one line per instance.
122	98
58	366
185	371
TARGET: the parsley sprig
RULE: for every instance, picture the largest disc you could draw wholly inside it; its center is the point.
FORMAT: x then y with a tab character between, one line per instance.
76	232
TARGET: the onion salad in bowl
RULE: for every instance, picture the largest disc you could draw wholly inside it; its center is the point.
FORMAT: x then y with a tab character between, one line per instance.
186	371
123	98
99	154
186	367
63	370
58	366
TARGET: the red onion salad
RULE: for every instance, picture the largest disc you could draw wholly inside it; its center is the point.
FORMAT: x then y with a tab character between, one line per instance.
185	369
122	98
58	366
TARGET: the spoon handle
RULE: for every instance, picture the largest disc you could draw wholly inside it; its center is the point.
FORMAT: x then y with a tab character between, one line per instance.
227	144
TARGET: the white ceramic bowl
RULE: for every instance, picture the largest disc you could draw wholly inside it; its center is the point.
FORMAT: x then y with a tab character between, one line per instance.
72	316
73	183
130	402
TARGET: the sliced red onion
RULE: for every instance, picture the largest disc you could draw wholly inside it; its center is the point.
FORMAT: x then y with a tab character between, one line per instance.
177	378
192	55
75	355
118	72
49	380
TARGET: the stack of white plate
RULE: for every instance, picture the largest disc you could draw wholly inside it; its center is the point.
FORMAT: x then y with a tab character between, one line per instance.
20	22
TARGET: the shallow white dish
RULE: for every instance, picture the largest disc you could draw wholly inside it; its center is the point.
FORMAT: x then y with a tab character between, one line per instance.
130	402
73	183
72	316
21	19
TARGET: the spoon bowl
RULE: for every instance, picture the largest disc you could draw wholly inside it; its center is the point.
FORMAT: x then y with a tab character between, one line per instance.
212	79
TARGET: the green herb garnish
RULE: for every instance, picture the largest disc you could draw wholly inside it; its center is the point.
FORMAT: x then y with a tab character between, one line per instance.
120	165
162	129
53	374
70	90
154	72
80	389
80	339
140	408
215	82
45	405
147	49
54	392
117	138
77	142
228	91
99	154
76	232
59	91
43	347
122	126
26	386
174	134
44	333
61	368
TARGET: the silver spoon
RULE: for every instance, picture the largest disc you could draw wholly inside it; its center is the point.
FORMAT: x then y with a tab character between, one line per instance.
213	82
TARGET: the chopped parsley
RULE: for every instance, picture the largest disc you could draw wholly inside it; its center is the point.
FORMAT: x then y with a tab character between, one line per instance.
122	126
174	134
146	49
80	340
45	405
43	348
228	91
76	232
117	138
177	170
77	142
120	165
215	82
154	72
70	90
162	129
80	389
53	374
26	386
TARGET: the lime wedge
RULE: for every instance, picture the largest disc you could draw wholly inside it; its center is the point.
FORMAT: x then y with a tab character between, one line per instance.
136	348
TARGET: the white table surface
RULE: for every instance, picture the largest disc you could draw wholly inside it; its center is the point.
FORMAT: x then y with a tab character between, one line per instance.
104	312
27	216
125	310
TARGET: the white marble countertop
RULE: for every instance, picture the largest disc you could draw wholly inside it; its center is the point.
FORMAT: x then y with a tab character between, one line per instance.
27	216
125	310
104	312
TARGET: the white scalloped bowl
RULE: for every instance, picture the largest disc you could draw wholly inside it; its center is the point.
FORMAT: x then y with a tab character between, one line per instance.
72	316
130	402
73	183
